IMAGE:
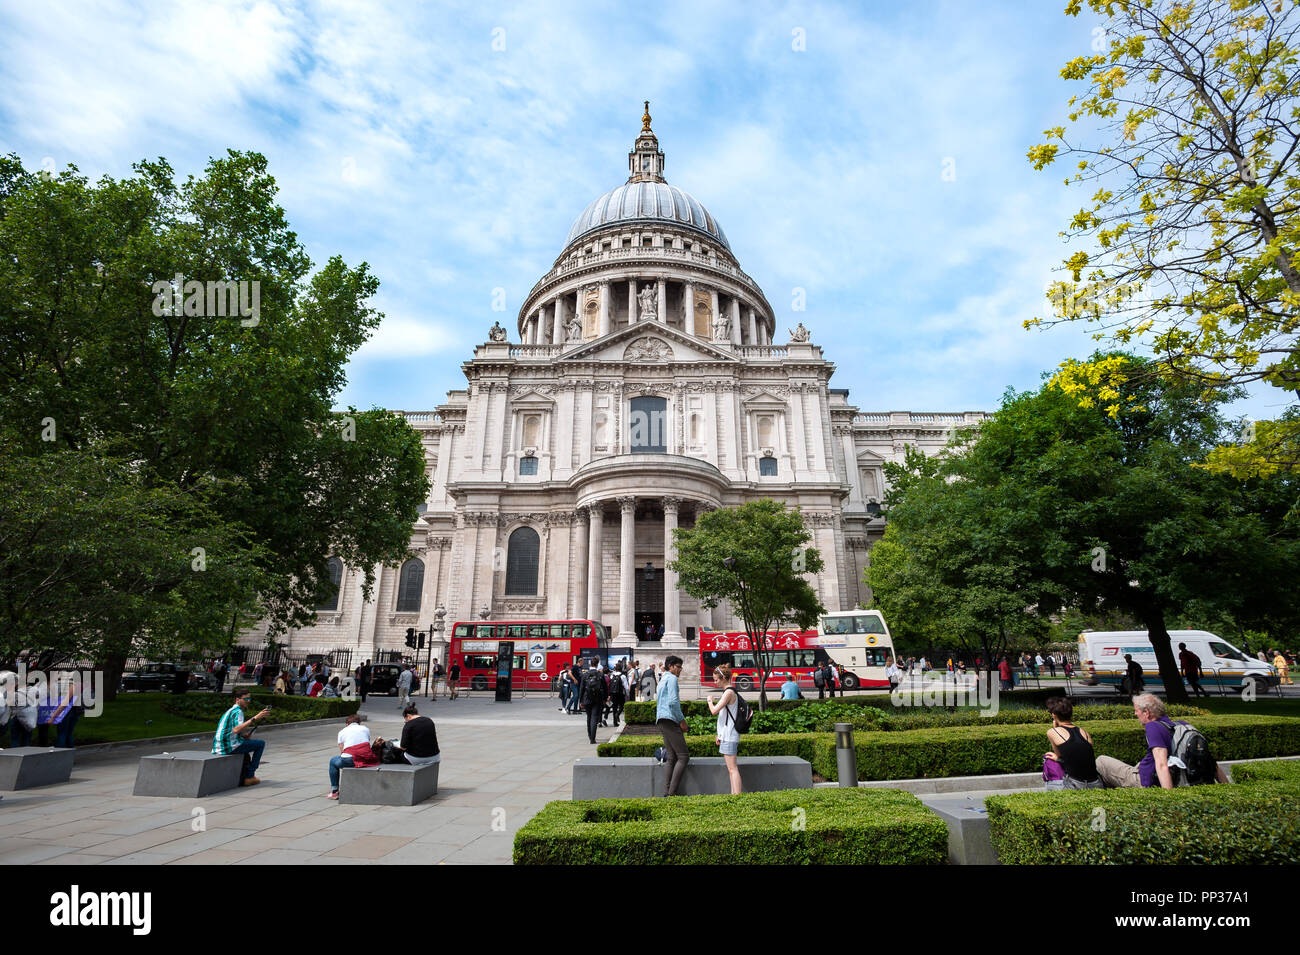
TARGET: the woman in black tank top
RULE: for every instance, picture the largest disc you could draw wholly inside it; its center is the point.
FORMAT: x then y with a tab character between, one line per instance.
1071	747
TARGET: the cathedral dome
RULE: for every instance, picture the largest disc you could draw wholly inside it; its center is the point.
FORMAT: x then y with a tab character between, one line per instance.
648	201
646	198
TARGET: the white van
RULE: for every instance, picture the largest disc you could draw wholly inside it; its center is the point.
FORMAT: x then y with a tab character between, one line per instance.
1101	659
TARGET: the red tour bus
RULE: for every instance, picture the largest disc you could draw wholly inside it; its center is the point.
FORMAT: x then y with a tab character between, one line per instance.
542	647
793	651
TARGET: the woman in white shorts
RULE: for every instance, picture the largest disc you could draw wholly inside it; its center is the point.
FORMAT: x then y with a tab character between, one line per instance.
724	708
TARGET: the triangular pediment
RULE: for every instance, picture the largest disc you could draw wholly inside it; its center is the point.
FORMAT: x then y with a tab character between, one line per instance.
868	457
648	343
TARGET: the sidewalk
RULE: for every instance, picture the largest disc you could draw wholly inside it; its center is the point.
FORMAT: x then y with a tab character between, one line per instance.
501	764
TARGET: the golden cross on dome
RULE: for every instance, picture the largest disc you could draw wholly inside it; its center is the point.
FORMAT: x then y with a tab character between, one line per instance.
645	118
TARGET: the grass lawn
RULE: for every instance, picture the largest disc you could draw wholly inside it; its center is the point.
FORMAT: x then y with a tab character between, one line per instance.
1262	705
138	716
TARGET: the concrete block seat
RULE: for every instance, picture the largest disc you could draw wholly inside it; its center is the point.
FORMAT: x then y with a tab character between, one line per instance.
969	839
629	777
26	766
391	784
189	774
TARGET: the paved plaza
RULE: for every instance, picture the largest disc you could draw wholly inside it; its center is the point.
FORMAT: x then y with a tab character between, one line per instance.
500	764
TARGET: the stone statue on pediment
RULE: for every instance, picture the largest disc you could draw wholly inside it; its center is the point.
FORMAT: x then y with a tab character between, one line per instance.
573	330
721	327
496	333
647	298
799	333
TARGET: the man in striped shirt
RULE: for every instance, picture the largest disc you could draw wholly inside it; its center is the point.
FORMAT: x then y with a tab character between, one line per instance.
232	733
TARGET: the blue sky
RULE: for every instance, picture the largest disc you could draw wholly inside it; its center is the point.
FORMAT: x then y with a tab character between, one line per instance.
451	146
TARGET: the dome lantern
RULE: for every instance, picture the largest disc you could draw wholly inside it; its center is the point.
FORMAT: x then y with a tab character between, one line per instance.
646	160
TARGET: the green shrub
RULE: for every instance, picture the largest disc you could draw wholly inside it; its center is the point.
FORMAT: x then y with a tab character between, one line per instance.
284	709
1195	825
643	711
839	827
1278	770
982	749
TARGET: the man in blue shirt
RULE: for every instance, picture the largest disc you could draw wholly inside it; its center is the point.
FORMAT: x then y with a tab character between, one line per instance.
790	689
672	724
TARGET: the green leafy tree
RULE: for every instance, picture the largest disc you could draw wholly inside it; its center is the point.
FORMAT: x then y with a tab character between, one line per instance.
1187	131
950	570
1111	511
766	584
101	358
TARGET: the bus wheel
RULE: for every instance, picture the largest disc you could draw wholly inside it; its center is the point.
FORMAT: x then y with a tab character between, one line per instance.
850	682
478	683
744	684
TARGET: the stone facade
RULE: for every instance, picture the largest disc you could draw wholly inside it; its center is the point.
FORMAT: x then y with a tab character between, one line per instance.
645	387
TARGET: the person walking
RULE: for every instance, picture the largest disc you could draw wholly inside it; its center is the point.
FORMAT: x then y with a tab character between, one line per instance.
1190	664
404	688
1051	664
649	683
1283	668
1133	676
364	675
219	674
617	694
725	707
575	694
565	684
830	679
819	681
892	674
1004	673
453	679
672	724
594	690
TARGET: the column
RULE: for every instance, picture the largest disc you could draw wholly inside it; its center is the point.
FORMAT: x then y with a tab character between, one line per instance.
663	302
688	312
605	305
597	512
735	321
557	335
631	301
800	457
753	328
627	580
672	598
581	552
851	467
714	313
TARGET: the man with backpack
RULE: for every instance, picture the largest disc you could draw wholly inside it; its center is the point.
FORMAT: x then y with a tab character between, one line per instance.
819	681
1177	753
594	690
617	693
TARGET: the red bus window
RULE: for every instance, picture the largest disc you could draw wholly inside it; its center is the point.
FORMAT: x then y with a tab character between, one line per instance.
581	630
559	631
464	630
537	631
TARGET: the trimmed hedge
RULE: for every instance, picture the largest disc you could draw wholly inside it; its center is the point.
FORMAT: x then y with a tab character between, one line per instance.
839	827
1280	770
1254	824
983	750
284	709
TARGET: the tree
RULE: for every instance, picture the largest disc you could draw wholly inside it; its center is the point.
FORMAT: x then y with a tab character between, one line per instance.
1111	511
114	348
1193	227
765	584
950	568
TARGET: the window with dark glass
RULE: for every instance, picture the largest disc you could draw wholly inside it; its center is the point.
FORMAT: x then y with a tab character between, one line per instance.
410	583
527	466
331	602
767	467
648	425
521	561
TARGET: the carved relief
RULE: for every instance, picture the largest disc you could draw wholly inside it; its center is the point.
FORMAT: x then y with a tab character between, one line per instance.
648	349
703	313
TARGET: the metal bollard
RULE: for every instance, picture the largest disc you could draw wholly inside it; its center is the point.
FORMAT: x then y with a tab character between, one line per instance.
846	756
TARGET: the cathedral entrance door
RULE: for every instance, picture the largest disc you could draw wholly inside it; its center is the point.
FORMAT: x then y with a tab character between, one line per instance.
649	604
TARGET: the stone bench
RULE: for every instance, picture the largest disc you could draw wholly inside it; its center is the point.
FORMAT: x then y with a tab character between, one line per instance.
26	766
392	784
628	777
189	773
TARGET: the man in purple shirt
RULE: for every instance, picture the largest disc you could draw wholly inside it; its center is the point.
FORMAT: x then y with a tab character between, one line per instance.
1153	770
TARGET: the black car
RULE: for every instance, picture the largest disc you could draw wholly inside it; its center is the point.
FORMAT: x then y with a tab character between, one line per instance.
383	678
169	677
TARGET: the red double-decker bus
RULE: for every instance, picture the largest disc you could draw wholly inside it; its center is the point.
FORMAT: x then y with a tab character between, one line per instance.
542	648
793	651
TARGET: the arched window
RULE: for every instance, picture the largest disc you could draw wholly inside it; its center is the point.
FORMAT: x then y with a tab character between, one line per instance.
410	582
336	578
767	467
521	561
527	466
648	425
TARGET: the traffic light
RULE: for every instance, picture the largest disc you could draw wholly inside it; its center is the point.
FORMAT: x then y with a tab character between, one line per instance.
420	636
410	637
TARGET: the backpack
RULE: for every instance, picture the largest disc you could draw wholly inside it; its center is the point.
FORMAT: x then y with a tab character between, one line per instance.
415	682
593	686
744	714
616	686
1192	749
819	677
391	754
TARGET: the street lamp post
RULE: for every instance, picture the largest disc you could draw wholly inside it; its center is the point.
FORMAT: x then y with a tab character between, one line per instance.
435	627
